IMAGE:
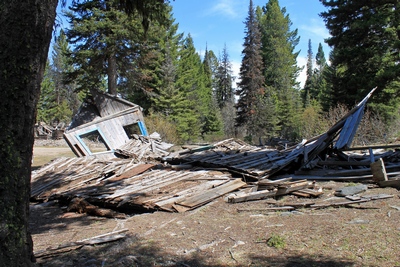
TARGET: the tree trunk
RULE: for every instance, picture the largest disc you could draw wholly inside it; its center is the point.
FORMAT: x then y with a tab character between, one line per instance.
112	74
25	34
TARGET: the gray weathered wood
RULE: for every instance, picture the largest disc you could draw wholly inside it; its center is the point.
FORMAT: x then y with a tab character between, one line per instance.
378	171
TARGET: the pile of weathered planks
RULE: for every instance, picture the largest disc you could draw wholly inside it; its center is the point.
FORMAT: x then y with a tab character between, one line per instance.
146	177
143	148
127	186
204	174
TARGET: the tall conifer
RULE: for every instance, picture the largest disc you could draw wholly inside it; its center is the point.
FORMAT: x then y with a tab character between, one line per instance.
250	87
189	83
224	78
365	52
307	90
280	63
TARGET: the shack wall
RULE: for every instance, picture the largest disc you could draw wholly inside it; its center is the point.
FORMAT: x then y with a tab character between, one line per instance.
110	128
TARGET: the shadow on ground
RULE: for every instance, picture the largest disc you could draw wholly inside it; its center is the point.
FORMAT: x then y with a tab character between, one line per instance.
133	251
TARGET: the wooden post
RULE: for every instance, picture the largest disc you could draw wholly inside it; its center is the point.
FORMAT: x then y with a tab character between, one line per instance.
378	171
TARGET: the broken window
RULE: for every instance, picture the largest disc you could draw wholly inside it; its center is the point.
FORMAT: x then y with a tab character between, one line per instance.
136	128
94	141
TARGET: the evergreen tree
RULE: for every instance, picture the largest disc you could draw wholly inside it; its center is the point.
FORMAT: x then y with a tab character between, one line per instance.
168	100
145	80
280	65
322	92
365	52
211	119
307	90
250	87
169	97
57	100
224	90
189	83
66	94
213	64
45	104
224	93
108	44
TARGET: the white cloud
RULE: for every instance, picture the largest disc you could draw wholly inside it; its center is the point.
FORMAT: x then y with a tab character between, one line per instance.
226	8
316	28
235	71
302	62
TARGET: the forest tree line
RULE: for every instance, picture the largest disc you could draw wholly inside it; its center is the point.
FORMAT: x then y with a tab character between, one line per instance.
187	97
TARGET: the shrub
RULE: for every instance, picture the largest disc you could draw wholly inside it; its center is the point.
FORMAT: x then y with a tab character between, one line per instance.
276	241
159	123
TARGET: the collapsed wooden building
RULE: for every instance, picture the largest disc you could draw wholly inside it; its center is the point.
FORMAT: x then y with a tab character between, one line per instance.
107	119
139	174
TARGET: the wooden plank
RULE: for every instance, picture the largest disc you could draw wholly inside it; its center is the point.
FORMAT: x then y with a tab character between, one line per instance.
310	192
209	195
273	182
258	195
344	203
180	208
300	194
293	186
390	183
143	186
168	201
132	172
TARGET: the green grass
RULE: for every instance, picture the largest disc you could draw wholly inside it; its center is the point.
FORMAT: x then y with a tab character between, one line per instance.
276	241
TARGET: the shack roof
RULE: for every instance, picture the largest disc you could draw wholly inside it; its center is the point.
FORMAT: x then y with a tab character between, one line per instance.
98	105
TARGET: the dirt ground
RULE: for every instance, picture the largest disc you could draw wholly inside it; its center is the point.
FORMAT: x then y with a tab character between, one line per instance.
223	234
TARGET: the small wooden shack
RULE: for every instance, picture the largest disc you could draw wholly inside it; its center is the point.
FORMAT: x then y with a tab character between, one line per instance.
103	123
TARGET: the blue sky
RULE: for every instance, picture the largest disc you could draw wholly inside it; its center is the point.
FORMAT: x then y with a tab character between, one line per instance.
214	23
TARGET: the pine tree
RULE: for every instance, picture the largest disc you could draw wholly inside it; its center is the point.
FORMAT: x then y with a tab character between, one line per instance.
224	93
167	97
108	44
322	92
224	90
189	83
211	119
250	87
25	34
213	64
57	100
46	101
145	80
365	52
280	65
308	86
60	66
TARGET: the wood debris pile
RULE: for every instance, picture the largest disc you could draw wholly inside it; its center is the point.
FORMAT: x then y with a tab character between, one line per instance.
146	177
127	186
45	131
143	148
